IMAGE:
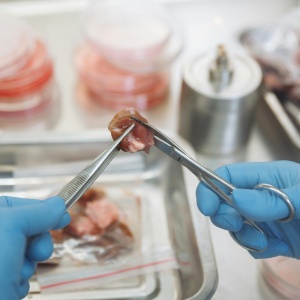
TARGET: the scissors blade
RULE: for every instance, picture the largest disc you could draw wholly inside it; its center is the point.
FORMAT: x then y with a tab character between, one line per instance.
73	190
192	165
170	148
167	146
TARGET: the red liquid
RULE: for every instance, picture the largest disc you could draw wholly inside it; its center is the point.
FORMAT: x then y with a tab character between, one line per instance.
27	90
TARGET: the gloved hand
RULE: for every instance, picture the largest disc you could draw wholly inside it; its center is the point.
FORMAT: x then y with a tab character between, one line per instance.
261	206
25	240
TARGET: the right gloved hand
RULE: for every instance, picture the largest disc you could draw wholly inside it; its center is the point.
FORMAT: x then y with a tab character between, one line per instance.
25	240
261	206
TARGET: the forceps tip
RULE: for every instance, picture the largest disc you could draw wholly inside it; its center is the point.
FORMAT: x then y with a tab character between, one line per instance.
137	120
150	127
128	129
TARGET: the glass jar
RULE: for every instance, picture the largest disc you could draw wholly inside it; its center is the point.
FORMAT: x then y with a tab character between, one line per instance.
27	84
125	58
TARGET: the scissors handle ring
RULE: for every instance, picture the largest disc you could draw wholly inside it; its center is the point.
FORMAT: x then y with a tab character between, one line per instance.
253	225
283	196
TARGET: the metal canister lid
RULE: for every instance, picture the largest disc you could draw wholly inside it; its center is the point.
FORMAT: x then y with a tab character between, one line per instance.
223	76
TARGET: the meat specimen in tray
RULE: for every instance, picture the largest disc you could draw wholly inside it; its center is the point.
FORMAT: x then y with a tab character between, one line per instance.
96	222
139	139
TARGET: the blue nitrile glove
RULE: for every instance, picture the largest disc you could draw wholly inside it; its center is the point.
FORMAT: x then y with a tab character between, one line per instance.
261	206
25	240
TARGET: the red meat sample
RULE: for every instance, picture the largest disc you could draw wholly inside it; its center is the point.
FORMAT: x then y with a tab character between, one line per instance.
139	139
93	214
102	213
82	225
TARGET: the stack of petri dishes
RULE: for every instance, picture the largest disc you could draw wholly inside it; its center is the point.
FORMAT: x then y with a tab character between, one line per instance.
281	275
126	55
26	72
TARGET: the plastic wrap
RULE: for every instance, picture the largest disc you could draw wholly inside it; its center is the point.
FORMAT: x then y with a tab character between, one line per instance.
118	253
99	227
104	230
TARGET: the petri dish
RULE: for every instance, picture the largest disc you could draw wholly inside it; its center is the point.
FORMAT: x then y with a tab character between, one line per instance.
132	30
116	88
35	73
16	43
281	275
26	72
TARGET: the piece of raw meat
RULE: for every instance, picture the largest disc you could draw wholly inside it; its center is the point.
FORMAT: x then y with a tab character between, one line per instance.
102	213
93	214
139	139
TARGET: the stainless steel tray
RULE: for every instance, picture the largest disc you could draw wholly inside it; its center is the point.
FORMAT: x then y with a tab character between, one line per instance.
284	115
39	167
279	130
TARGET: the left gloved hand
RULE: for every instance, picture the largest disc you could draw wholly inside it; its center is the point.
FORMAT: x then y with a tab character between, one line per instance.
25	240
262	206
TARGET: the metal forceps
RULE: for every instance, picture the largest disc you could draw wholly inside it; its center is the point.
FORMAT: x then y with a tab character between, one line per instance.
73	190
167	146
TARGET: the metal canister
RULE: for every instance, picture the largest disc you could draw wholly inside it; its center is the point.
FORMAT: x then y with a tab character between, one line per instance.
219	97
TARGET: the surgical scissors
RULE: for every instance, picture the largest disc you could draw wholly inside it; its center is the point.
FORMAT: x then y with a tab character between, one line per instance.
73	190
169	147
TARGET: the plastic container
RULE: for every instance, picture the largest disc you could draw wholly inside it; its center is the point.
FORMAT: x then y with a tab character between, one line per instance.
126	55
106	84
281	275
131	30
26	72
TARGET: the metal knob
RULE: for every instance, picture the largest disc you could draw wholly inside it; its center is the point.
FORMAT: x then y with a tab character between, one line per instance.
220	72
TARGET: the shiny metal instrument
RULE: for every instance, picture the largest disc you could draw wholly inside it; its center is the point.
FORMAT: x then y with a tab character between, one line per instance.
214	182
84	179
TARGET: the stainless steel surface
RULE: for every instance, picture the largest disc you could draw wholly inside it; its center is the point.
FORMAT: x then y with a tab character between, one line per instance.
285	112
218	122
280	117
73	190
294	112
172	213
220	71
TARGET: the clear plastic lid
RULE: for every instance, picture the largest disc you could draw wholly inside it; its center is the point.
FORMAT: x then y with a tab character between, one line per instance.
16	44
133	31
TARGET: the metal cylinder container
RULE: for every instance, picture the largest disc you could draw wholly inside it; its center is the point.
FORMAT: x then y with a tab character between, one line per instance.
218	101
